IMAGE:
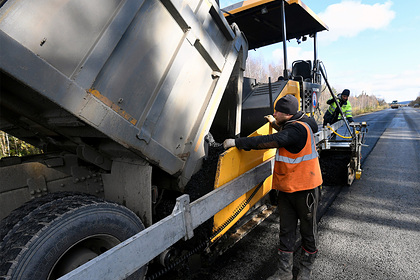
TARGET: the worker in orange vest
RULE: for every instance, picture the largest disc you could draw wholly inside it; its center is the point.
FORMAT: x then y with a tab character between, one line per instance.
297	177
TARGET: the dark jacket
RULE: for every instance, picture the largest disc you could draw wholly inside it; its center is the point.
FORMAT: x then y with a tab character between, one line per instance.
292	136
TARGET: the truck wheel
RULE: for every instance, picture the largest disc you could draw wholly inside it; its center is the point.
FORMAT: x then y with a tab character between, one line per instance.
63	233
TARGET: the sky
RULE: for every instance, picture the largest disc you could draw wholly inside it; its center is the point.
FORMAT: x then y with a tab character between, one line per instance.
372	46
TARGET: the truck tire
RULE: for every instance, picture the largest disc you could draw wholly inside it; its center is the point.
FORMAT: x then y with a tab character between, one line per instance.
17	215
60	233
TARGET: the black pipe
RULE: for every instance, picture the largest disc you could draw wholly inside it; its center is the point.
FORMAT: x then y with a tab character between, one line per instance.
270	93
283	31
315	66
315	49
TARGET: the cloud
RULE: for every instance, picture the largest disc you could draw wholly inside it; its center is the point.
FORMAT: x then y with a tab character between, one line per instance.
349	18
403	86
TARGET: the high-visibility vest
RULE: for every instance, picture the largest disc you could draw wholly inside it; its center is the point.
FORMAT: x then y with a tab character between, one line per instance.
347	110
297	172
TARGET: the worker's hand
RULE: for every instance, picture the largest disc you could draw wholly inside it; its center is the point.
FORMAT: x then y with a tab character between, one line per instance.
228	143
270	118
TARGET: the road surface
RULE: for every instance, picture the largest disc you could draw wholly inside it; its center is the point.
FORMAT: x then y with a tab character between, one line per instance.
372	230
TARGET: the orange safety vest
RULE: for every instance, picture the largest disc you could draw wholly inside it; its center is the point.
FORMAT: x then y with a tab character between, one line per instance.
297	172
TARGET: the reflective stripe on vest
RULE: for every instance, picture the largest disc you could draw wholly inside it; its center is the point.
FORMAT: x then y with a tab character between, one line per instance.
312	155
290	177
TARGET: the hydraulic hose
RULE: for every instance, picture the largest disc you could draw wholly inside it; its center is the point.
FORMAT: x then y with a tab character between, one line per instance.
345	137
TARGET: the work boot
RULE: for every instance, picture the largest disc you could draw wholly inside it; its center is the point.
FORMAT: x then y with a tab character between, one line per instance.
306	265
285	264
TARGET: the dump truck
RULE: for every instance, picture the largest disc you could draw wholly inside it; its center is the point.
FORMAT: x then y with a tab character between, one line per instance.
128	101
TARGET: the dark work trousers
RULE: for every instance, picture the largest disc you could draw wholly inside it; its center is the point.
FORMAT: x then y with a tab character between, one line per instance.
296	206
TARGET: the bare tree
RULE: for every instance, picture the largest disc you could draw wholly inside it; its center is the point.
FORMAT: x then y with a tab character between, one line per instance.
12	146
257	68
5	144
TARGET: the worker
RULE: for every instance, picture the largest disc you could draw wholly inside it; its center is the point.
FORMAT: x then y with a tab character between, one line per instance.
333	115
297	177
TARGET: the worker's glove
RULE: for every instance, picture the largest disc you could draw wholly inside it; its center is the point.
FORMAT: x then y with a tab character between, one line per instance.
270	118
228	143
